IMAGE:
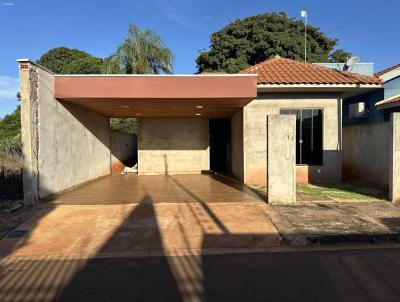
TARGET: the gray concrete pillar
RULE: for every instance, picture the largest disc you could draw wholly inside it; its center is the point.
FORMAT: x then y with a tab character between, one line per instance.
29	130
281	159
394	158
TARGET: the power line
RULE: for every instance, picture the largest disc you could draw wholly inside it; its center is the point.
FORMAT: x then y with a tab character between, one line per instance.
358	16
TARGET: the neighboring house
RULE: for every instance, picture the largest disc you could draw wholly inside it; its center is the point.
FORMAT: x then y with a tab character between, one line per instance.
367	121
187	123
375	106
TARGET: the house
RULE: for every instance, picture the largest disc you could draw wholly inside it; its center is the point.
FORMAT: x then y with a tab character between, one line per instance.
368	120
188	124
315	95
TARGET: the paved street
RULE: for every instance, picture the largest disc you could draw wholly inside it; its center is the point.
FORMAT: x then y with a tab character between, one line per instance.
347	275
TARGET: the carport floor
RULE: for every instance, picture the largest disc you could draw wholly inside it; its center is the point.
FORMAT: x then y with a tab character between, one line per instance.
150	189
147	215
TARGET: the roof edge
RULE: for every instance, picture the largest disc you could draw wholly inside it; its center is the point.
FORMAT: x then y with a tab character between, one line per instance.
359	85
157	75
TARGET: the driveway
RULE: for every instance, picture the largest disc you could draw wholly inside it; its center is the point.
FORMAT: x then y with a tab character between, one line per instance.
150	215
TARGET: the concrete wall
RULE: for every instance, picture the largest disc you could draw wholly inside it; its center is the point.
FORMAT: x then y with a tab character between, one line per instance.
173	145
255	132
237	144
281	158
123	150
394	159
366	152
29	131
64	145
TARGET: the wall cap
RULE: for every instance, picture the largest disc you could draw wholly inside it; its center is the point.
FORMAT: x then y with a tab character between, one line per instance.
23	63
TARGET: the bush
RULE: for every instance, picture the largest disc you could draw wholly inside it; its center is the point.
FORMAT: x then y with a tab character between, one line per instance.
127	125
11	144
10	183
10	125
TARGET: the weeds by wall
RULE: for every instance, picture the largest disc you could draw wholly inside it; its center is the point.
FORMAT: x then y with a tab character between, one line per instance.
11	185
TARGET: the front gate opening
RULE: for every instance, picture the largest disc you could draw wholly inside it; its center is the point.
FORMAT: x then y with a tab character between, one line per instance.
220	145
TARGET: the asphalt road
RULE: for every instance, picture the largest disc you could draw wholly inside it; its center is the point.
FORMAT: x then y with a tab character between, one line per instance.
345	275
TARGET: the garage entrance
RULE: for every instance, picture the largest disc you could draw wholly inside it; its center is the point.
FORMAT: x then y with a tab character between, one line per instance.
75	142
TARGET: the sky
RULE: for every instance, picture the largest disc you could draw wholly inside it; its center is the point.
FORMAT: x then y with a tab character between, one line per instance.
29	28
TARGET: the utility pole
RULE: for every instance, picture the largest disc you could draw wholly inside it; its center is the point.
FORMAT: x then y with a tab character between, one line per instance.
304	14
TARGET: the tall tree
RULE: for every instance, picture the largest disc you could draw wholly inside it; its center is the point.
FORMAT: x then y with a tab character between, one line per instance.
63	60
142	52
252	40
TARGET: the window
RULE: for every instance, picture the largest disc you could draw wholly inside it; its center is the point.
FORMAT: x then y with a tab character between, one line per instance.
357	110
308	135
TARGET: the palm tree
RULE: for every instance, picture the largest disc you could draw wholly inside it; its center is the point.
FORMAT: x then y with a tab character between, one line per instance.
143	52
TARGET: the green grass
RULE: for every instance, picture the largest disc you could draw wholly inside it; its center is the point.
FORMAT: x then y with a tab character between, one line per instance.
349	190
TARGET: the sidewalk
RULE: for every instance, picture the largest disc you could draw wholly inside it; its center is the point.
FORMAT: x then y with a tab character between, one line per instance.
336	222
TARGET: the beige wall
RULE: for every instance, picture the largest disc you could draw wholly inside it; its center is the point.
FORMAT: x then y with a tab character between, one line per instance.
237	144
65	145
281	158
173	145
366	152
394	161
255	114
123	150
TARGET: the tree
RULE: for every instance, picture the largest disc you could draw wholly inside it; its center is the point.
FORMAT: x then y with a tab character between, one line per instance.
252	40
127	125
10	125
339	56
10	132
142	52
63	60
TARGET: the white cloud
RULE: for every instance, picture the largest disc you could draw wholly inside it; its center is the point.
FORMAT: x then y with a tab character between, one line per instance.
9	87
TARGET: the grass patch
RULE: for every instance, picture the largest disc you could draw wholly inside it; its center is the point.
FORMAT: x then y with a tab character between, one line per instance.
348	190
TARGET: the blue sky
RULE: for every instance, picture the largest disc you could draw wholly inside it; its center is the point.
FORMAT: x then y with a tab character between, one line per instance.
29	28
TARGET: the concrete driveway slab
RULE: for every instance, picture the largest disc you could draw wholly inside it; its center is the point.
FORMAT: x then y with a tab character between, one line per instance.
143	229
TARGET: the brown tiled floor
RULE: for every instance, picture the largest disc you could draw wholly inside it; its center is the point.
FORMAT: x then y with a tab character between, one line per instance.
150	189
142	215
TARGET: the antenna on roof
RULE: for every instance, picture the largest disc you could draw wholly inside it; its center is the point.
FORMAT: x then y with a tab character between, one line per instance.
348	66
304	15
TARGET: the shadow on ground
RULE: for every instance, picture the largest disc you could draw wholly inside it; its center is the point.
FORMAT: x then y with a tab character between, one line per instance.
176	275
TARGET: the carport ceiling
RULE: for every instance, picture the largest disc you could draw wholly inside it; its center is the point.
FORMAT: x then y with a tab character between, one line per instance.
158	95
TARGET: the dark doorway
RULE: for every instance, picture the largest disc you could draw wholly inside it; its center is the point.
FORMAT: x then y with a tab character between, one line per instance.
220	145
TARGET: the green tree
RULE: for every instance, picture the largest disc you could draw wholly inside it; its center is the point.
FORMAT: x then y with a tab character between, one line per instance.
142	52
127	125
252	40
10	125
63	60
10	132
339	56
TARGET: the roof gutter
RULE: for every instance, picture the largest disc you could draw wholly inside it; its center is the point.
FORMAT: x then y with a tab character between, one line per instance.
320	86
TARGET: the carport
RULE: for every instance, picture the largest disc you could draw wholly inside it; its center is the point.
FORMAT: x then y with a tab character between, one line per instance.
66	134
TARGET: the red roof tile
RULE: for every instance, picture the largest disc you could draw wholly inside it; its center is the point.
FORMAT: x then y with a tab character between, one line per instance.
279	70
378	74
391	100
